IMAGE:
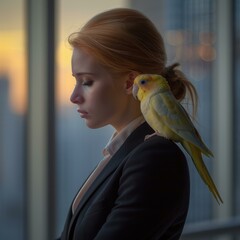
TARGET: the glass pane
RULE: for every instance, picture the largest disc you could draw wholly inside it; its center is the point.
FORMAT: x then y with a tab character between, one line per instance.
78	148
236	78
13	92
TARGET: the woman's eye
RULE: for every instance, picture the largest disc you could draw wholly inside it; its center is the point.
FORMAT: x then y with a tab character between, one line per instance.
87	83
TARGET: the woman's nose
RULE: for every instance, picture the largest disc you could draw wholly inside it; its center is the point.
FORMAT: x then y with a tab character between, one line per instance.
76	96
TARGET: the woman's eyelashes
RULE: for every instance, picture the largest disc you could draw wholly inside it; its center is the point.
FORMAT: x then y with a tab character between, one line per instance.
84	82
87	83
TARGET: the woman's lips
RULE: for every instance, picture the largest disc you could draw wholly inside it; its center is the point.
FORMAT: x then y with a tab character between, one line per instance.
83	114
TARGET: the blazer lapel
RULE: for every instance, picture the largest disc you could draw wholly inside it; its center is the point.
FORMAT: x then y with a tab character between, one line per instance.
132	141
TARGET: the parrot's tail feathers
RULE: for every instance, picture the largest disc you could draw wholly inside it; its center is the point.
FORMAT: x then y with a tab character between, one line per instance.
196	156
204	149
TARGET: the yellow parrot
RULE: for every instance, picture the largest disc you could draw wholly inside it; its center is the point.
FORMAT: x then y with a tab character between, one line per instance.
169	119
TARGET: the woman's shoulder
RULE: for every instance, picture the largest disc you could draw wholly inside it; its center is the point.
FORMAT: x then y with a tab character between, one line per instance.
159	144
157	157
156	148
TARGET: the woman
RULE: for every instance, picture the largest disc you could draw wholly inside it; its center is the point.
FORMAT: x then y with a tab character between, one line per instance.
140	190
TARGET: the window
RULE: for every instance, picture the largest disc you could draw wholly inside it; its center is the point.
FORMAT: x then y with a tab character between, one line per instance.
190	29
13	92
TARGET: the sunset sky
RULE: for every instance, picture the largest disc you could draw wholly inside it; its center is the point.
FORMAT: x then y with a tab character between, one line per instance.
72	14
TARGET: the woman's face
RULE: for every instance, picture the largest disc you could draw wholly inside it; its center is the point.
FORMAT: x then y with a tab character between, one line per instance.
100	97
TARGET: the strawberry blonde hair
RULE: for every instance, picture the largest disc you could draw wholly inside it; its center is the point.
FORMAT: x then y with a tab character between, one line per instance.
125	40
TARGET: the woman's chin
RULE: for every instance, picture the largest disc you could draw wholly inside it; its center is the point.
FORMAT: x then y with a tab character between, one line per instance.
94	125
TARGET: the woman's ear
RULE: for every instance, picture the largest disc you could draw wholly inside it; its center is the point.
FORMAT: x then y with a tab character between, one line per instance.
129	81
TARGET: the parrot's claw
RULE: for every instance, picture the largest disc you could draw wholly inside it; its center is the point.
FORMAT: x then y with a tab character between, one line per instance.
151	135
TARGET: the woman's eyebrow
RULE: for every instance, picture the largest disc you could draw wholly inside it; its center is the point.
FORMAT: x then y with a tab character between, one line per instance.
78	74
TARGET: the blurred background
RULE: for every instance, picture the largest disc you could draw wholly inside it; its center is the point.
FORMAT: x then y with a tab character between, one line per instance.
46	151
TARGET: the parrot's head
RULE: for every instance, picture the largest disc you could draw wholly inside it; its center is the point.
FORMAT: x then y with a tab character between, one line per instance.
146	84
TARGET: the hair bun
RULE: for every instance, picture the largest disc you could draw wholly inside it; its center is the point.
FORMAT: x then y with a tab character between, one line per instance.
170	70
175	80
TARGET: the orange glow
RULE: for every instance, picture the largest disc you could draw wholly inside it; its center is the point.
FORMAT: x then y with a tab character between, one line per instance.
13	50
13	66
207	53
64	80
175	37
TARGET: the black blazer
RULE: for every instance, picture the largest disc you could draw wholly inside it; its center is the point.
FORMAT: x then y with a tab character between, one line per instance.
142	193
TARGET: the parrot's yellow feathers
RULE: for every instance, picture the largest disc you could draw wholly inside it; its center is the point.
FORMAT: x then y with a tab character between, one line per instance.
146	84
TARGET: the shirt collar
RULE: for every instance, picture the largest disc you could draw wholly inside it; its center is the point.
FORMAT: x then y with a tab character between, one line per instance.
118	139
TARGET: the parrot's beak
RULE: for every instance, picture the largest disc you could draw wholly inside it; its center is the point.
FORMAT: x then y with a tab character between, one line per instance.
135	91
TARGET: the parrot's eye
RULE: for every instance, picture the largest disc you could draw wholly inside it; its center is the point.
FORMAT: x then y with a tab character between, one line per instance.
143	81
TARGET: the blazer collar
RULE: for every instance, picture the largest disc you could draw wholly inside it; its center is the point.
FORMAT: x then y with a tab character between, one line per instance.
131	142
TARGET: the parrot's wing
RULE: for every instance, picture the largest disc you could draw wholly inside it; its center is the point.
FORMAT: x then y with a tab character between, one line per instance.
176	118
